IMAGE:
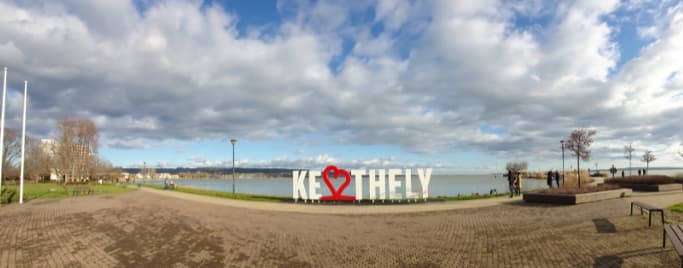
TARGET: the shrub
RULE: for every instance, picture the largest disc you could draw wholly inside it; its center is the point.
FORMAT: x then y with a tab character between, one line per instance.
648	179
570	180
583	190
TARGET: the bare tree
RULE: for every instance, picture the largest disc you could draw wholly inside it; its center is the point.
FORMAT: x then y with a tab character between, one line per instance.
516	166
11	151
38	160
648	157
628	153
76	148
105	170
579	141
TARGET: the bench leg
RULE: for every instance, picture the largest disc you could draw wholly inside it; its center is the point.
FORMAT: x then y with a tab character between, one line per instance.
631	208
649	219
663	238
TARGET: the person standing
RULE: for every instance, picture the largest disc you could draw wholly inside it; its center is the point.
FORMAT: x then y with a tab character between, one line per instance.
557	178
639	173
511	183
550	178
622	173
519	183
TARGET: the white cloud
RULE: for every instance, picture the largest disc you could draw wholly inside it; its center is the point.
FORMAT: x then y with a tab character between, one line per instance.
426	83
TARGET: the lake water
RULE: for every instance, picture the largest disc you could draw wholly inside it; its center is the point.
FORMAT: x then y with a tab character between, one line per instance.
440	185
667	172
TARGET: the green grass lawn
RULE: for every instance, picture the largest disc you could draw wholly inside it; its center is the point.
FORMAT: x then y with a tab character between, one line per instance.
237	196
677	208
466	197
268	198
48	190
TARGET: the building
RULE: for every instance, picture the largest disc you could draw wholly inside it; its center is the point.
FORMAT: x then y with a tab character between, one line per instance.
48	146
78	154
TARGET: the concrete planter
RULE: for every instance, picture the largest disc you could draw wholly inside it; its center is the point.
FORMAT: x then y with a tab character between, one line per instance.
572	199
652	187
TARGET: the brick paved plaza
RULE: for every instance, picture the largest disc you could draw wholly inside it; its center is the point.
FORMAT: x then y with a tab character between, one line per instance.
143	229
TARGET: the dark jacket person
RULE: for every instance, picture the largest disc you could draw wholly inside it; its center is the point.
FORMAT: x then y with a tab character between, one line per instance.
511	182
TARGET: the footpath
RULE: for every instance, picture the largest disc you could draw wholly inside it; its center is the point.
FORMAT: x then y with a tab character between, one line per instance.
665	199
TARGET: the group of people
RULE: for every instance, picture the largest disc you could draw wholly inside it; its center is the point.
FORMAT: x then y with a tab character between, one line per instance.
515	182
613	170
168	185
553	175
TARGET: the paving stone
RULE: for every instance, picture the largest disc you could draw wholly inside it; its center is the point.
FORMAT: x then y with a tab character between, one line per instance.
142	229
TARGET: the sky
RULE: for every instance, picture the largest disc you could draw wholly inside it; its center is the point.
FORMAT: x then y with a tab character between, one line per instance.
458	86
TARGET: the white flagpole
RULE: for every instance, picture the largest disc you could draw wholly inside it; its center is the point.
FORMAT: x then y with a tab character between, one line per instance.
23	146
2	124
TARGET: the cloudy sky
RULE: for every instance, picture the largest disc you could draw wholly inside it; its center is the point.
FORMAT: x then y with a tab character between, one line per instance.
461	86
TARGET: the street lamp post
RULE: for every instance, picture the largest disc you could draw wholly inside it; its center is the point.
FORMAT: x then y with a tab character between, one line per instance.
233	141
562	145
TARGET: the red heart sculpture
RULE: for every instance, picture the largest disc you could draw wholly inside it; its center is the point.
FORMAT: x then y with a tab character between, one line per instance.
337	193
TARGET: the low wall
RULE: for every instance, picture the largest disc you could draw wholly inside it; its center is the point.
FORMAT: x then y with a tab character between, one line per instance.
652	187
572	199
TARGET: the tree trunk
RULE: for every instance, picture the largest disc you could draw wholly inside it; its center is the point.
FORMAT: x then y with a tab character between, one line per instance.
578	170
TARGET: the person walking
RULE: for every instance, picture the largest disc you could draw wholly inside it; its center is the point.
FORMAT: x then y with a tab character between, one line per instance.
550	178
557	178
622	173
613	170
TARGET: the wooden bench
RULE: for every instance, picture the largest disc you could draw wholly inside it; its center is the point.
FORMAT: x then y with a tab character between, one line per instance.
675	233
82	191
649	208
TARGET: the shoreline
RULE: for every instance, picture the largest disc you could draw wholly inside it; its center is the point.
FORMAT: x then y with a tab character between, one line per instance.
664	199
355	209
